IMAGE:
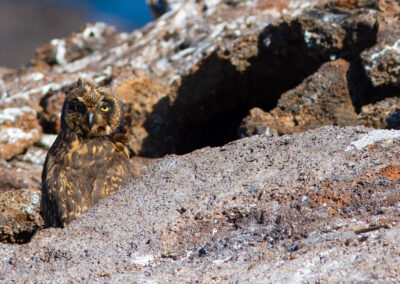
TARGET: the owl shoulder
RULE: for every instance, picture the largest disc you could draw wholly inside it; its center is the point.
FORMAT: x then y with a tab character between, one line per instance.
120	141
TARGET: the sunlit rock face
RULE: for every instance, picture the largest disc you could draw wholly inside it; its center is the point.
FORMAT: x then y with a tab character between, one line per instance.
305	207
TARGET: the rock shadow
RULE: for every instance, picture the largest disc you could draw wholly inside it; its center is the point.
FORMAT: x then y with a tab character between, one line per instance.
362	90
212	101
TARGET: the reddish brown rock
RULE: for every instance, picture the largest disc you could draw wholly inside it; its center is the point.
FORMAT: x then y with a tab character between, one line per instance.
16	175
382	61
19	215
257	122
350	4
218	65
375	115
318	206
19	129
141	96
49	116
321	99
91	38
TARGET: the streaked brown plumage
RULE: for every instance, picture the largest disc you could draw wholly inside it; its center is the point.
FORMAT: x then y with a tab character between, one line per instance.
89	160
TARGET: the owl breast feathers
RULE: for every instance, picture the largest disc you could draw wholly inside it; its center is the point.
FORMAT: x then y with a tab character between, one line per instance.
89	160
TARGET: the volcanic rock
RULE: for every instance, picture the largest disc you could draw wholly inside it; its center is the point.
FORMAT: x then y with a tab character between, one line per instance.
142	96
381	60
321	99
19	129
375	115
17	174
19	215
315	206
190	78
160	7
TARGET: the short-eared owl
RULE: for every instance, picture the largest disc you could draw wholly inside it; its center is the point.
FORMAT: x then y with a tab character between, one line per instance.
89	160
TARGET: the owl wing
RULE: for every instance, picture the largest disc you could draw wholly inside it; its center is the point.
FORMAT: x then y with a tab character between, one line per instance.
50	205
114	174
63	200
79	180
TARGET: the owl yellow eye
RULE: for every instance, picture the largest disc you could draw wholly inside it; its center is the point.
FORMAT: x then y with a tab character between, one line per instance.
105	108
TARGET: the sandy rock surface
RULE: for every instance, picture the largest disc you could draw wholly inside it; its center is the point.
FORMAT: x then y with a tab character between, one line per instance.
317	206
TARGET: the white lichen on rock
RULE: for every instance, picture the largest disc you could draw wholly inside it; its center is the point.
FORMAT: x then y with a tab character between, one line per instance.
13	135
35	155
142	260
12	114
372	137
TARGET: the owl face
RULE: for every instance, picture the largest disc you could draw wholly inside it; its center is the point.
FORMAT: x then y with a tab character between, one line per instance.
91	111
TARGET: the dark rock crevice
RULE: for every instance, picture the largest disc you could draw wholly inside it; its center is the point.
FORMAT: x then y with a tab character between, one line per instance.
362	90
212	101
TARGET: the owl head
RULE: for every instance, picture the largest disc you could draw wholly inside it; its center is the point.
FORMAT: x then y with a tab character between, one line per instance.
91	111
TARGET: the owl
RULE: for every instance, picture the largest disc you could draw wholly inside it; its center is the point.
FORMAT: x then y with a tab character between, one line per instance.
89	159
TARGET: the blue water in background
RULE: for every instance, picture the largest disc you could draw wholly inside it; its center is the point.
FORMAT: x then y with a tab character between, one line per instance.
126	15
27	24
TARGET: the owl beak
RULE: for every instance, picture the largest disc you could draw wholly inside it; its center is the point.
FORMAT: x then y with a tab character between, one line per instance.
90	119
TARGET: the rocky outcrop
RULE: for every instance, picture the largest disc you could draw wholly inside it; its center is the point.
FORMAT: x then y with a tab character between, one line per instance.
204	74
160	7
321	99
19	129
319	206
20	215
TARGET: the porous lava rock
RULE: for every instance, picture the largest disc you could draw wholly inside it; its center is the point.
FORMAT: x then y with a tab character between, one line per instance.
321	99
19	215
19	129
142	96
318	206
192	76
375	115
19	174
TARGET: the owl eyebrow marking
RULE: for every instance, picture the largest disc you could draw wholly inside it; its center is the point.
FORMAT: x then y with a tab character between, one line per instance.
105	101
103	91
80	99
